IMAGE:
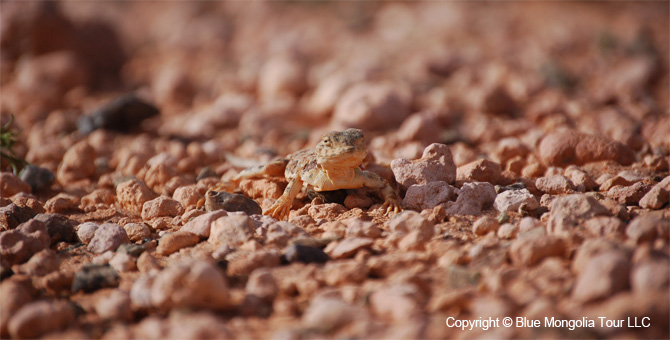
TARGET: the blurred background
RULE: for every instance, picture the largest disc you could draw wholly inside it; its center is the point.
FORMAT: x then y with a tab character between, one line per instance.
282	73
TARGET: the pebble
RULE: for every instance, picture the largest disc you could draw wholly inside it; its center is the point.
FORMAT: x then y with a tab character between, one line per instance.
159	174
629	195
18	245
568	211
161	206
147	262
650	276
216	200
243	263
12	215
261	188
195	283
582	181
115	306
123	262
327	211
327	314
262	284
187	195
564	148
485	225
121	114
15	293
231	230
423	126
372	107
482	170
426	196
108	236
282	75
396	303
40	264
511	200
61	228
436	164
608	184
305	254
605	226
645	228
137	231
348	247
604	275
344	272
201	225
359	228
78	163
411	229
36	177
507	231
134	250
99	197
472	198
11	185
530	248
86	231
132	195
62	203
658	196
555	185
93	277
172	242
39	318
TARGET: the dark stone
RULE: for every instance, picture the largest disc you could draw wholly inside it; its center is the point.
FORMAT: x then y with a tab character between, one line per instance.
205	173
231	202
93	277
122	114
61	228
335	196
12	215
304	254
515	186
131	249
38	178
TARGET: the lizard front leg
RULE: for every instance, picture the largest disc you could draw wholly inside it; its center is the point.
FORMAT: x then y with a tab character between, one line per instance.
280	209
372	180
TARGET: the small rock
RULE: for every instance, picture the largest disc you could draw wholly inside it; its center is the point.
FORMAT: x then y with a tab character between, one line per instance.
605	226
282	75
262	188
99	197
121	114
39	318
345	271
93	277
568	211
78	163
412	229
201	225
582	181
12	215
61	228
123	262
15	294
147	262
427	196
511	200
630	195
572	147
161	206
172	242
472	198
187	195
658	196
18	245
304	254
359	228
37	177
372	107
196	283
40	264
262	284
108	236
216	200
231	230
348	247
436	164
528	223
604	275
645	228
327	314
507	231
555	185
328	211
62	203
612	182
650	276
481	170
86	231
242	264
137	231
485	225
396	303
132	195
133	250
11	185
115	306
529	249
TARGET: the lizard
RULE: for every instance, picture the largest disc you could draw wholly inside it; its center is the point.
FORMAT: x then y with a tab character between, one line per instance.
335	163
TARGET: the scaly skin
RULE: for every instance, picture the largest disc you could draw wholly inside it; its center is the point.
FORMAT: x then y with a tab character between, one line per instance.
334	164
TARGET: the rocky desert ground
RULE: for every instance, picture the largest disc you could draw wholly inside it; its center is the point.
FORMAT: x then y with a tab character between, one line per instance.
528	143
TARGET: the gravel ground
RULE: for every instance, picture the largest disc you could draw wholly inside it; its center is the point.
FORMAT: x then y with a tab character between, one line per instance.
529	144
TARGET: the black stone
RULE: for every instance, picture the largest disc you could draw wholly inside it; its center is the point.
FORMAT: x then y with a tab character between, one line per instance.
131	249
93	277
12	215
304	254
122	114
60	228
232	202
37	177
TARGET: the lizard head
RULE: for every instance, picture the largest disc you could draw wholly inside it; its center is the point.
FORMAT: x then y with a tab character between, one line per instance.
338	149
